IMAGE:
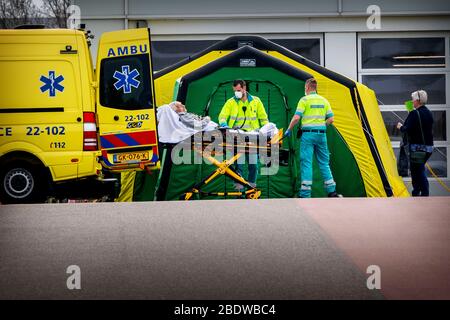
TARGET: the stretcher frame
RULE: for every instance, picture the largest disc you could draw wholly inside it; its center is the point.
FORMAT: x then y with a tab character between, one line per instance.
225	168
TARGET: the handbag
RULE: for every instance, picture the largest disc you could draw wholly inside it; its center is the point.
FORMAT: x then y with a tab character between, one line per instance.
418	156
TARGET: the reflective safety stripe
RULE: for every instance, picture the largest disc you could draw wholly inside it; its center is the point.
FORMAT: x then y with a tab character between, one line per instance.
234	115
306	185
314	117
314	110
329	182
244	118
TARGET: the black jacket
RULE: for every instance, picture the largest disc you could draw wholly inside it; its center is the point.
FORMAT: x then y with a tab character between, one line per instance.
412	128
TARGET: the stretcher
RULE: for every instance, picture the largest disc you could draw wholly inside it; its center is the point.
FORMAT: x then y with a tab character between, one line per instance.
239	144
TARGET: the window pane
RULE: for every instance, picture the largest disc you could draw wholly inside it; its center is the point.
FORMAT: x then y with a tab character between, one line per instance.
437	162
166	53
309	48
439	126
391	118
125	82
396	89
403	53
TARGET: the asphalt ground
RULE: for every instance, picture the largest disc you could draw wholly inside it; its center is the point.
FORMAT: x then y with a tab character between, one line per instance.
227	249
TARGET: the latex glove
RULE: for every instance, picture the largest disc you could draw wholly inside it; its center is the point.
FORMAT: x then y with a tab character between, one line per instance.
223	125
399	125
287	133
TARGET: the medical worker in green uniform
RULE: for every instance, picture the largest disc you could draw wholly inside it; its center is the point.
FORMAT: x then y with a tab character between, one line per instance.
315	114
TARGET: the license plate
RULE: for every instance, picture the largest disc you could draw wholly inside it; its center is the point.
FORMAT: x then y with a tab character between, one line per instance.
131	157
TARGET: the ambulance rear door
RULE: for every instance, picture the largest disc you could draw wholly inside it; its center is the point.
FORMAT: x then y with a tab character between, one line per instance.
126	111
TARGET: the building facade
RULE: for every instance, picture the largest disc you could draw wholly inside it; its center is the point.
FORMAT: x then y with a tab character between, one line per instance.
394	47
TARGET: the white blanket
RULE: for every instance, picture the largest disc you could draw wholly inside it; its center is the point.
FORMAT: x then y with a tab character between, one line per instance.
172	130
269	129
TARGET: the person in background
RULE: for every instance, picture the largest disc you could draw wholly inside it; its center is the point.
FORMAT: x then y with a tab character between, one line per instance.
315	114
419	129
244	112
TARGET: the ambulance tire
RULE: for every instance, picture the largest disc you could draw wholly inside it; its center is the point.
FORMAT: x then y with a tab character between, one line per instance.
22	181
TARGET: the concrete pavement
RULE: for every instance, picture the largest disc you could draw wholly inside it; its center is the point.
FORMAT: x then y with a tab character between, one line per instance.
219	249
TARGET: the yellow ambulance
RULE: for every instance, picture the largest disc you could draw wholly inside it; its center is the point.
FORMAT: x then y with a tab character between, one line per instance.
60	121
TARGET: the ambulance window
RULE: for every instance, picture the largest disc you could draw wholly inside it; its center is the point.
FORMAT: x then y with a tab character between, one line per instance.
125	83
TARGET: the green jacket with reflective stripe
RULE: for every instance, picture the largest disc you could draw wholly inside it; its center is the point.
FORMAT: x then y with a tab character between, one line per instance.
314	110
232	113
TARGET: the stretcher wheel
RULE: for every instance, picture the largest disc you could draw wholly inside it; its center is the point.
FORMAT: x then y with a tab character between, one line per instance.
186	196
254	195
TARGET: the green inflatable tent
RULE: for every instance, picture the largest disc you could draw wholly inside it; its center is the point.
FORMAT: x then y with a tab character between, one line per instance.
362	158
279	86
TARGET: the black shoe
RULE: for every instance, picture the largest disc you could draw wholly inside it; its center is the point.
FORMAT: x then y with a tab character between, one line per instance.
334	194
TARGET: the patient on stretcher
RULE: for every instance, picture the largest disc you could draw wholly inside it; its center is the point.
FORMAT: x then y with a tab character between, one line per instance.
171	128
190	120
175	124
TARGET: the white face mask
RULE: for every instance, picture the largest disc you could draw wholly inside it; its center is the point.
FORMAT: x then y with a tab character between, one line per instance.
238	94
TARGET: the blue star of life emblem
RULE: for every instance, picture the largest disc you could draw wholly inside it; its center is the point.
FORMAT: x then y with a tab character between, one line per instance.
126	79
52	83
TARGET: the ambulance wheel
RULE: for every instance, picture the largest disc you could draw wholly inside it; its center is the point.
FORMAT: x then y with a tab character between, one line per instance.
22	182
